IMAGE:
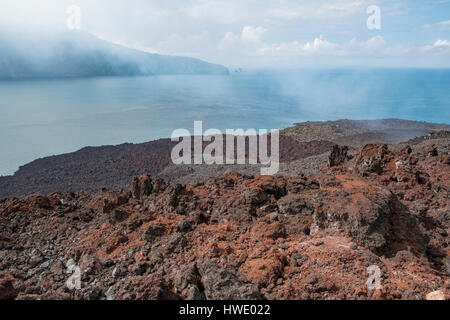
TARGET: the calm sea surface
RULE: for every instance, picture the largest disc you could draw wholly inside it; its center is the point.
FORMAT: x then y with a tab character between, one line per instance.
47	117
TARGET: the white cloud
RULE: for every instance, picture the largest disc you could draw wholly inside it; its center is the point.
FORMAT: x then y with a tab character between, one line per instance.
235	31
440	47
437	44
442	43
439	25
374	43
252	34
375	46
318	46
249	37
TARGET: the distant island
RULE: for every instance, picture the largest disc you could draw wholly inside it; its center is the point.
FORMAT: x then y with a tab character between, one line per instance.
78	54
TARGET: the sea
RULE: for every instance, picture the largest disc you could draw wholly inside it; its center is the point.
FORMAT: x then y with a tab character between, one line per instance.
40	118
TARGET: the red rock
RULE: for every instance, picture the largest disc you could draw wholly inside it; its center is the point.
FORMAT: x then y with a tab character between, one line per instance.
338	156
7	290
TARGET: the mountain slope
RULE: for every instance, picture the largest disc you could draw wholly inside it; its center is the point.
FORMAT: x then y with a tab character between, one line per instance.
78	54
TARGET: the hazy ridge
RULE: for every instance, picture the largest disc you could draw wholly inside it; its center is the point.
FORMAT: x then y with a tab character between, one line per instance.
79	54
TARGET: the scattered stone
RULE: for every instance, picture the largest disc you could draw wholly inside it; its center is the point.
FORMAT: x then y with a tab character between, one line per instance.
291	204
353	246
141	187
184	226
35	260
7	290
118	216
138	269
298	256
372	159
95	293
338	156
221	284
431	151
153	232
107	263
119	271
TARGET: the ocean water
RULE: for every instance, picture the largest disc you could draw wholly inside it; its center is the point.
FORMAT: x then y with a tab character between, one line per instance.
46	117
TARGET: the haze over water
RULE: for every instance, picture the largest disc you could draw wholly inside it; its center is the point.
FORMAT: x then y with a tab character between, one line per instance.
47	117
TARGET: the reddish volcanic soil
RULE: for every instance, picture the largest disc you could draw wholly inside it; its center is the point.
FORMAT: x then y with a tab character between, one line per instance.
238	237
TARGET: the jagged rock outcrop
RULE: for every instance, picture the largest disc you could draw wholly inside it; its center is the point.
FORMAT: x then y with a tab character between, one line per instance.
7	290
338	156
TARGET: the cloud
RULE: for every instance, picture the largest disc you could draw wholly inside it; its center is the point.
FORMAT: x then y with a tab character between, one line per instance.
438	44
252	34
440	47
318	46
444	23
440	25
232	32
375	46
442	43
374	43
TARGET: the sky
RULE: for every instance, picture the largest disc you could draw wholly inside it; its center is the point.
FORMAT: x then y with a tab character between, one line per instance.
257	33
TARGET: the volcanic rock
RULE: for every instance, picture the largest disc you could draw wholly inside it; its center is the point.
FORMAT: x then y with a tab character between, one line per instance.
338	156
239	236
